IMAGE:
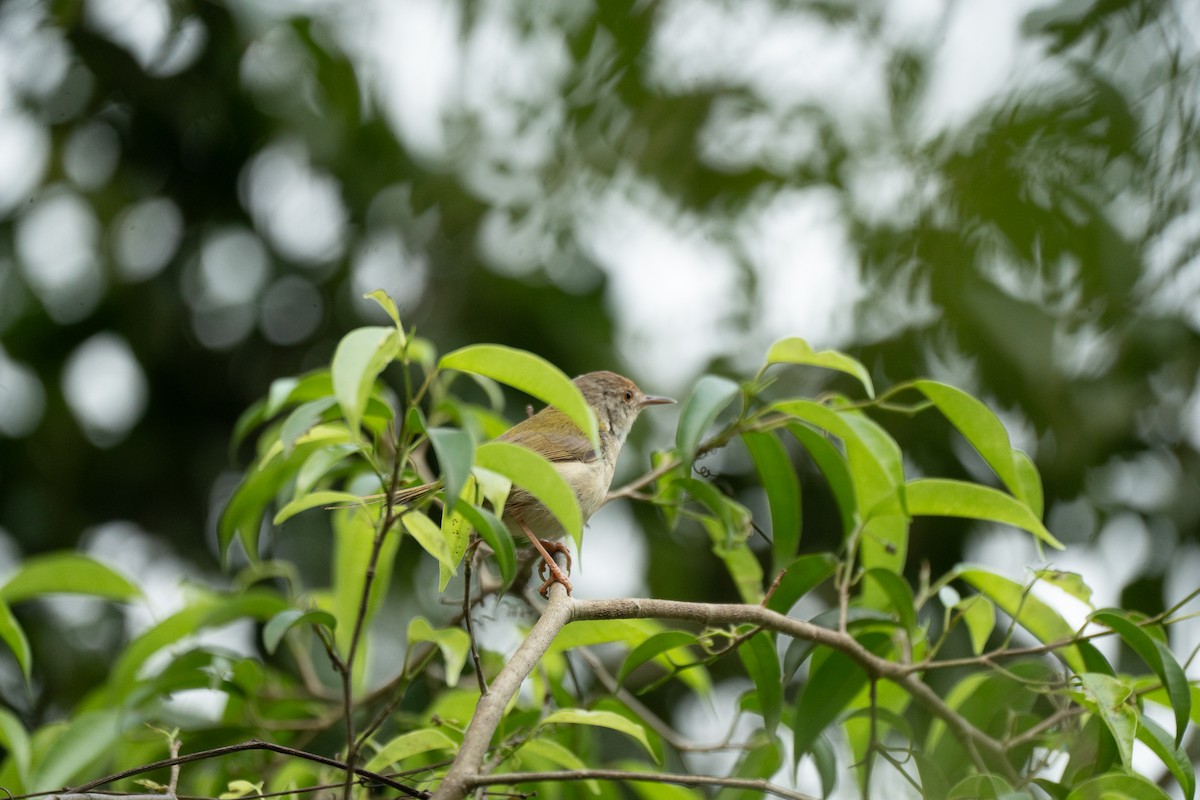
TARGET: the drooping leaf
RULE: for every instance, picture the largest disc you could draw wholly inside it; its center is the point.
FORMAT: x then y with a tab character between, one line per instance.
530	374
802	576
795	350
708	398
601	719
832	464
559	755
652	647
979	615
982	428
899	594
431	538
832	684
83	741
301	420
1070	582
762	664
361	356
14	636
317	500
497	536
388	305
1115	785
284	621
409	744
1046	624
454	644
1159	658
66	573
948	498
14	739
783	493
1112	700
1172	755
354	533
456	454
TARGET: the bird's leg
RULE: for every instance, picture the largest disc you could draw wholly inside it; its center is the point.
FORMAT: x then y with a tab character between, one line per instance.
556	574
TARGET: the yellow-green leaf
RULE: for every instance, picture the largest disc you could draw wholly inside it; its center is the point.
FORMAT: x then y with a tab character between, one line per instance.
532	375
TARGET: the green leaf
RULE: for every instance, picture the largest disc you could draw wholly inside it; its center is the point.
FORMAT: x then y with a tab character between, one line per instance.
318	464
497	536
410	744
824	758
354	535
1112	699
1031	483
761	660
833	466
1070	582
83	741
982	428
783	493
981	787
66	573
14	636
361	355
979	615
1114	786
797	351
388	305
651	648
938	497
900	595
802	576
1172	755
600	719
454	643
281	623
202	612
456	454
708	398
14	739
1046	624
1159	658
429	535
301	420
530	374
832	684
315	500
555	753
538	476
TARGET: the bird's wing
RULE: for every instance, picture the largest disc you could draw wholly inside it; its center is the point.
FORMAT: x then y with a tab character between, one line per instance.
553	446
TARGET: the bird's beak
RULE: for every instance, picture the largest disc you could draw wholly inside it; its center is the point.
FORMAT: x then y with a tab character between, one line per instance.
651	400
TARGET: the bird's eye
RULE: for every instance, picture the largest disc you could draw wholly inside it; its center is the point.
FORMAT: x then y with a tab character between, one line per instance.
628	395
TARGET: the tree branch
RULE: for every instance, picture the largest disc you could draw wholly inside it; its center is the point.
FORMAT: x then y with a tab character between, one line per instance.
754	784
490	710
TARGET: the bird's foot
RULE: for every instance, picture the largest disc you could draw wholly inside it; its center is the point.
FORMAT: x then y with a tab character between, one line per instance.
548	565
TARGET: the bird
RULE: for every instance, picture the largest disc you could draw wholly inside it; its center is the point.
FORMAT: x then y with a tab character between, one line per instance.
616	402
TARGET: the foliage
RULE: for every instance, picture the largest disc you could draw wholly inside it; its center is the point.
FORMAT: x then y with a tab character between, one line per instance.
961	684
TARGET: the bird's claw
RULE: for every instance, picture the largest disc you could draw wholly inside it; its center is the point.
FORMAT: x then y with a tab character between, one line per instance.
556	575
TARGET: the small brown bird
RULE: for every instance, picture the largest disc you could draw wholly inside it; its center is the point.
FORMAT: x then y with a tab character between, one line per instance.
616	401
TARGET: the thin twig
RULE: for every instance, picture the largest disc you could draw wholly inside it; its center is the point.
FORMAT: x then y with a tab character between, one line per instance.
253	744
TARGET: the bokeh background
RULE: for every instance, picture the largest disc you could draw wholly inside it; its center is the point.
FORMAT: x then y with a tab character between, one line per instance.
194	197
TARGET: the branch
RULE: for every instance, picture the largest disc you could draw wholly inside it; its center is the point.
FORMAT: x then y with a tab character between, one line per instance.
490	710
873	665
253	744
758	785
